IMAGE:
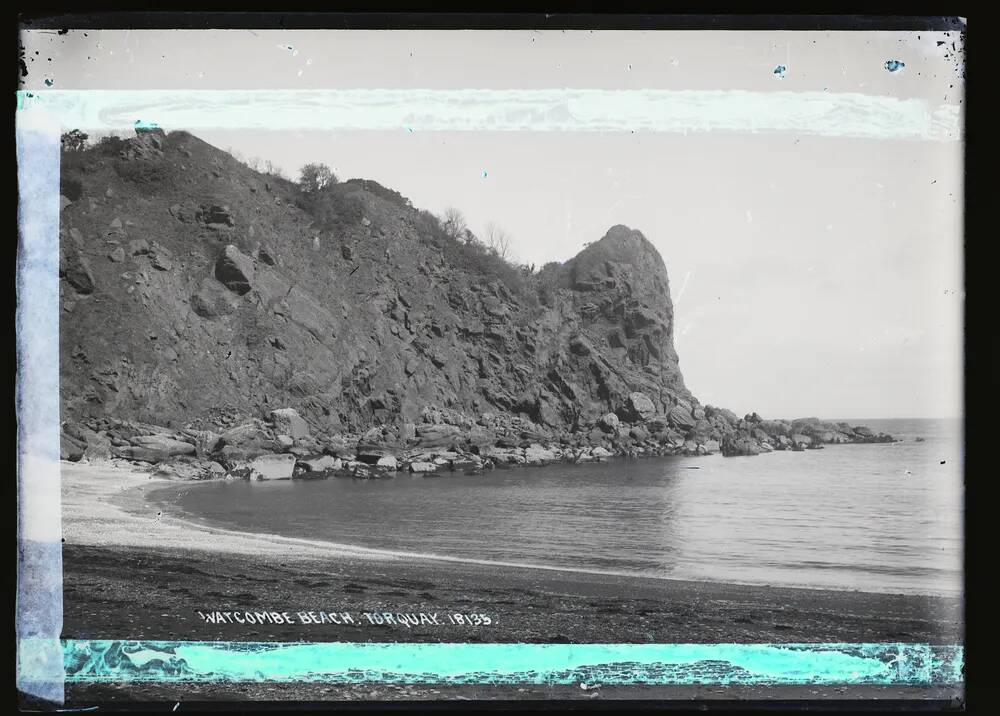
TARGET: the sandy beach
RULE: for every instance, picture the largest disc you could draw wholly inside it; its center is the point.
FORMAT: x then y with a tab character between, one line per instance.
132	572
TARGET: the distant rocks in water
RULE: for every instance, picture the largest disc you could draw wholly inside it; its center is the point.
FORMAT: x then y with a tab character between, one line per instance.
733	445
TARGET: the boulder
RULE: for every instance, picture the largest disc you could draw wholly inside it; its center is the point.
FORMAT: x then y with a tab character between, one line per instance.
138	247
637	407
680	417
601	453
320	463
273	467
70	448
578	345
609	423
212	300
234	270
75	268
437	435
215	217
189	470
371	453
422	467
638	433
154	448
538	455
736	445
388	462
287	421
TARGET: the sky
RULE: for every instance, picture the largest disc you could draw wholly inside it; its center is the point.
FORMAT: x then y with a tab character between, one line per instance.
811	274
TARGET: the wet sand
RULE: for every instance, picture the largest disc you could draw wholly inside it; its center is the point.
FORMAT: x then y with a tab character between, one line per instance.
130	573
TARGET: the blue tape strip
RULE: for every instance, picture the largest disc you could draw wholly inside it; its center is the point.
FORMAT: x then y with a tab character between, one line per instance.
345	663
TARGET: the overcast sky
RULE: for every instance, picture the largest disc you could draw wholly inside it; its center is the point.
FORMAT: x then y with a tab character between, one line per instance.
810	275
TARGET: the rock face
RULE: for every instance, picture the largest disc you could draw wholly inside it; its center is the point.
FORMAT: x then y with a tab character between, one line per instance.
351	324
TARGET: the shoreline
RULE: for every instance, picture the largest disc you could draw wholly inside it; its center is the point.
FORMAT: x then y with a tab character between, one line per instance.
122	514
130	574
107	511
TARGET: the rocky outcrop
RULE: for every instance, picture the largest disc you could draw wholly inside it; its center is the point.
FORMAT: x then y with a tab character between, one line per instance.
234	270
245	319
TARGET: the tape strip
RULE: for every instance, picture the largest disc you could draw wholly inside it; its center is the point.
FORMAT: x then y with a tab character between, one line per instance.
828	114
39	572
744	664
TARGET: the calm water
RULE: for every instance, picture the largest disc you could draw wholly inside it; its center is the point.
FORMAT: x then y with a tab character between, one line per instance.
868	517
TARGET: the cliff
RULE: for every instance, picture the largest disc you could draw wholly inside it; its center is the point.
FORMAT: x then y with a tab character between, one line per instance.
199	296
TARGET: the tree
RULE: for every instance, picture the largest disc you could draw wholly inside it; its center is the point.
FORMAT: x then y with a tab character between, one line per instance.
74	140
314	176
498	240
453	223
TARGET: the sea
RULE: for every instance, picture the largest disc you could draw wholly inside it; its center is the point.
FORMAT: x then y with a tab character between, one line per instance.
874	518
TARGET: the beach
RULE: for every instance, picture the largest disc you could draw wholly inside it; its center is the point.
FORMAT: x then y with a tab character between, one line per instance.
132	572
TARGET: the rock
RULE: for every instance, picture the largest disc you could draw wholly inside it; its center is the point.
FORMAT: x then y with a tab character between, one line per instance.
287	421
638	433
272	467
422	467
117	254
388	462
160	257
437	435
601	453
285	441
735	445
234	270
75	268
580	346
681	418
637	407
481	437
194	470
154	448
711	447
70	448
538	455
138	247
801	439
215	217
371	453
212	300
320	463
244	441
609	423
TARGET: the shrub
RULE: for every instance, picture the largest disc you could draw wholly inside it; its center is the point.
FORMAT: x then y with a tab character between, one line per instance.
376	189
314	177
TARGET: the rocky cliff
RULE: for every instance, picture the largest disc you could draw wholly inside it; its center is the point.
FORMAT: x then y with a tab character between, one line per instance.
199	297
